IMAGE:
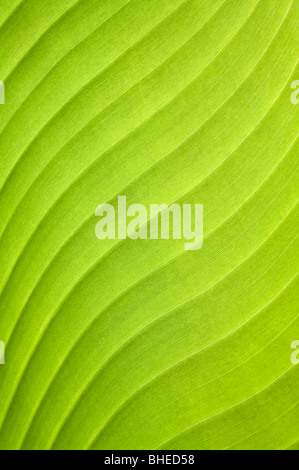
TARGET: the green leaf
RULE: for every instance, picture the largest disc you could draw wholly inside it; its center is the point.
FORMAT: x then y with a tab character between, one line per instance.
139	344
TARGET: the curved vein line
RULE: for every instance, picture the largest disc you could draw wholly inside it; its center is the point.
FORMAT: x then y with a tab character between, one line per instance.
81	174
114	247
292	444
158	376
185	359
12	13
157	319
43	34
77	93
150	325
170	100
140	124
264	427
232	370
274	382
40	37
110	304
119	98
156	163
120	295
59	61
145	171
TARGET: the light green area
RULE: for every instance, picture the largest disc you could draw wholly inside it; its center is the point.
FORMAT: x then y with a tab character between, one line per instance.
127	344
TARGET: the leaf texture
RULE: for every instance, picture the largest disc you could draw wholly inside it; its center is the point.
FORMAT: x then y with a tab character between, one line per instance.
122	344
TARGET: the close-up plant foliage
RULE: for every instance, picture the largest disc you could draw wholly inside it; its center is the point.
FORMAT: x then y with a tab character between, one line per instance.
129	342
